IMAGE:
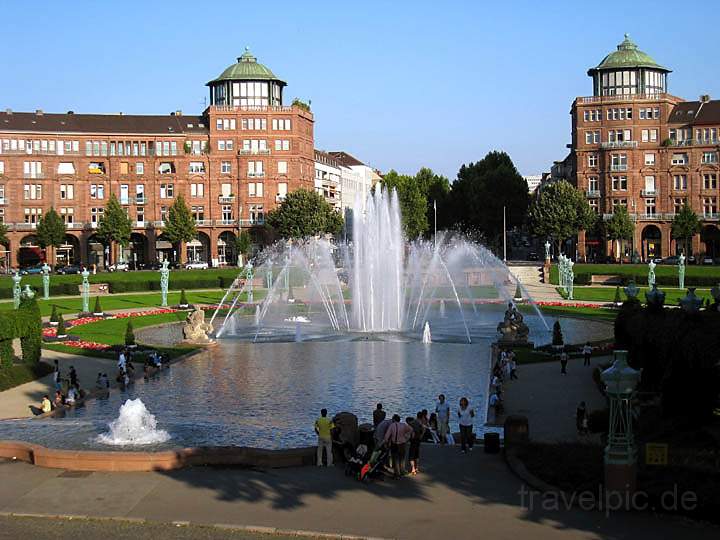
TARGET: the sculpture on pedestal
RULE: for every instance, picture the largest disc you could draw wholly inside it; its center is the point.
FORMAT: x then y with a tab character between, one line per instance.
164	282
547	250
681	271
85	291
196	329
513	329
46	281
16	289
249	280
651	274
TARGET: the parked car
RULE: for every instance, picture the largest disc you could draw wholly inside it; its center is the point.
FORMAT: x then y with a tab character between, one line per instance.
708	260
69	269
35	269
532	256
670	260
197	265
119	267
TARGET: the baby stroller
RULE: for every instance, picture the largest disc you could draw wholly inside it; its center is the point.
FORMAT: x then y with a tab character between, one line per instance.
354	459
373	467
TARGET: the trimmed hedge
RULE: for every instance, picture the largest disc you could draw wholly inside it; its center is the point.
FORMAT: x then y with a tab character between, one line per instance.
219	282
26	324
666	276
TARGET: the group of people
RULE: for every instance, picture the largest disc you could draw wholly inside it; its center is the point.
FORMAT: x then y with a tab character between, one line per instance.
563	356
504	369
67	391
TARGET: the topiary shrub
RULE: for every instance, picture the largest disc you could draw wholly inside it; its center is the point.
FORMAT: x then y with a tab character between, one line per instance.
518	293
98	308
183	299
618	299
129	334
557	338
61	332
54	316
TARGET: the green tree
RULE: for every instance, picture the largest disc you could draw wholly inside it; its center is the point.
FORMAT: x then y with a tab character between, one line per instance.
3	234
436	189
114	226
129	334
98	307
557	337
61	331
560	212
481	191
50	230
619	227
304	213
413	203
244	243
180	224
685	225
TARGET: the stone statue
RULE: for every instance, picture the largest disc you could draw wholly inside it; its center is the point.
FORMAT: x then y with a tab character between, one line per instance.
85	290
196	329
16	289
570	278
513	328
681	271
164	282
249	276
28	292
547	250
651	273
46	281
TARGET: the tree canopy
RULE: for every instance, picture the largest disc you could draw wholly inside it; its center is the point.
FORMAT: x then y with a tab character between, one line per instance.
685	225
413	203
243	243
619	227
114	224
50	229
481	191
304	213
560	211
180	224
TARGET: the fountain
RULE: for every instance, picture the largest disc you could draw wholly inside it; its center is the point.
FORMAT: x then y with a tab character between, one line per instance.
378	284
427	336
134	426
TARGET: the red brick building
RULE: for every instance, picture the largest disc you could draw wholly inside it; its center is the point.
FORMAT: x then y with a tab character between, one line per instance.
232	164
636	145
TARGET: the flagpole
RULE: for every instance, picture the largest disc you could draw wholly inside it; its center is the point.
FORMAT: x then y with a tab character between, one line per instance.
435	235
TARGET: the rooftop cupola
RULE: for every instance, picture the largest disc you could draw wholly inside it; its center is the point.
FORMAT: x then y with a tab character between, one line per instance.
628	70
246	83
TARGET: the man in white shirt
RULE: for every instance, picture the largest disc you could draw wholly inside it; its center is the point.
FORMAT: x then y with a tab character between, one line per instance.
121	361
442	409
587	351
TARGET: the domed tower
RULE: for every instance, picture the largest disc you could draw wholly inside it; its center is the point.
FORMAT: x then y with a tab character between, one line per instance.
628	71
247	84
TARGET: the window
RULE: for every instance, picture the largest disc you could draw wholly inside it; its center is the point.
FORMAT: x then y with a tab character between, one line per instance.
678	203
591	115
680	136
649	159
139	168
255	168
68	215
32	169
173	148
649	135
710	206
594	205
197	190
618	162
255	189
650	207
619	183
32	215
66	168
32	192
124	194
163	213
618	202
650	185
124	167
679	159
225	123
253	124
710	181
593	183
166	191
710	157
166	167
97	191
2	167
706	135
96	167
255	146
140	194
619	114
226	213
282	167
198	213
96	215
257	213
619	135
282	144
680	181
140	216
225	145
280	124
282	191
592	160
226	190
67	192
225	167
2	194
197	167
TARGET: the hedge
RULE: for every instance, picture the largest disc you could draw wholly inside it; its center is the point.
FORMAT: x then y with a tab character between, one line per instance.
666	276
24	323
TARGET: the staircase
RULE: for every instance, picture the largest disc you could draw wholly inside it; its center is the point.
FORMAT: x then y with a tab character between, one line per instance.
530	277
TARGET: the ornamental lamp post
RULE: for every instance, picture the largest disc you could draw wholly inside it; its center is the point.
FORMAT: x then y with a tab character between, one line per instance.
620	453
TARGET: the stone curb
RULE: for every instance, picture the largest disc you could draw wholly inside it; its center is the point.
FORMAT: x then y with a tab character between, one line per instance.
257	529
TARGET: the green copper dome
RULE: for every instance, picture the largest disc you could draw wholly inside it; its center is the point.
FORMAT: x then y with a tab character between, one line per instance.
627	56
247	69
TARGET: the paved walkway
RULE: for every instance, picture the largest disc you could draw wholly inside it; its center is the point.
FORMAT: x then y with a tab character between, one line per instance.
14	402
456	496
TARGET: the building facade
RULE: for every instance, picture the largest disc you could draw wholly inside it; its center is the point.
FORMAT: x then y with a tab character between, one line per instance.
233	163
328	179
636	145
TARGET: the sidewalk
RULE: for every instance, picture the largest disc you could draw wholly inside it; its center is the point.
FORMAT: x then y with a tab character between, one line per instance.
455	497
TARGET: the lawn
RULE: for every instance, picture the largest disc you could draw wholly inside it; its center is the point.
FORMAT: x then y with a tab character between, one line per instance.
607	314
607	294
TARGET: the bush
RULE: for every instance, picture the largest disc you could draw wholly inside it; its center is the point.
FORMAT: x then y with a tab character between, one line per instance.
557	338
183	298
618	298
599	421
54	315
129	334
61	332
98	307
518	292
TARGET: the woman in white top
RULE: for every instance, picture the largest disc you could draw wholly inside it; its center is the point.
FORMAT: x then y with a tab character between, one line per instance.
465	419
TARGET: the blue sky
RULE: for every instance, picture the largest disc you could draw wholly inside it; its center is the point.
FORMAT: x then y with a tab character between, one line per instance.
399	84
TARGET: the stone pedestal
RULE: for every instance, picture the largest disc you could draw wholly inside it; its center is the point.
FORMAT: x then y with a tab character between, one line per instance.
620	478
546	272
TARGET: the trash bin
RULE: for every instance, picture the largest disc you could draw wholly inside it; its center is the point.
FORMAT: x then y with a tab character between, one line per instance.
492	443
367	432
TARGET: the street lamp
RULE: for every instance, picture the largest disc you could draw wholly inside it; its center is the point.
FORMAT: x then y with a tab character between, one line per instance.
620	453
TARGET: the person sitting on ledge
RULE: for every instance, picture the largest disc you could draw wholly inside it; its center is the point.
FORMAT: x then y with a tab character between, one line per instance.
45	407
72	396
59	400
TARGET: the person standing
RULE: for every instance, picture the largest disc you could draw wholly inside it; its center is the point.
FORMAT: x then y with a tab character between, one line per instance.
73	376
580	417
465	419
513	368
415	440
442	409
563	362
56	376
587	351
398	435
323	427
378	415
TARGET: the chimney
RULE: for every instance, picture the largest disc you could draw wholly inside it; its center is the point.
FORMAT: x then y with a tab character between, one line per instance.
39	112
